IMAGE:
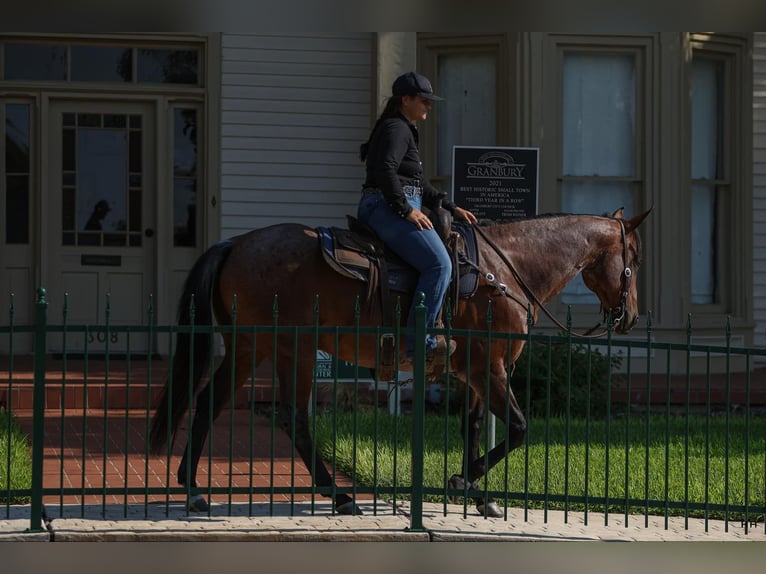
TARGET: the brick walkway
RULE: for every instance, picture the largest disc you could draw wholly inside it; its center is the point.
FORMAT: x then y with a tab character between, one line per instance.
115	459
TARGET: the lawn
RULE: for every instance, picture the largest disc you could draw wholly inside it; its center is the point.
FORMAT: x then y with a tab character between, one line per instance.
15	461
656	462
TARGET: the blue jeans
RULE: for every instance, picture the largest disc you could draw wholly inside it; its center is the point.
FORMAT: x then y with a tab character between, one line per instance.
423	249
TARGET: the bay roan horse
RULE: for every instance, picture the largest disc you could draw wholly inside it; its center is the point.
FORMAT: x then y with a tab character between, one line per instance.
535	258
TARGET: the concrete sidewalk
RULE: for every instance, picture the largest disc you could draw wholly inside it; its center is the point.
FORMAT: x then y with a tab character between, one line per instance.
280	522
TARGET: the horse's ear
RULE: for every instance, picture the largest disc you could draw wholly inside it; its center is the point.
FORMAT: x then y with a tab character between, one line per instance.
619	214
633	223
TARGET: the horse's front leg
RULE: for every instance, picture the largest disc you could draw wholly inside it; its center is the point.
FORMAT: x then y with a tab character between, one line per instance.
504	406
472	425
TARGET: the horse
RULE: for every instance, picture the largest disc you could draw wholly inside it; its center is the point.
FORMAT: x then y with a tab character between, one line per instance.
524	264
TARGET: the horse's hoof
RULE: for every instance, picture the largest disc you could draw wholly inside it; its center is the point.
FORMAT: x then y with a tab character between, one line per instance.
198	504
348	509
492	509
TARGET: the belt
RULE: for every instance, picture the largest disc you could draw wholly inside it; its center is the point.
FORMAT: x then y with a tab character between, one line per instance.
408	190
412	190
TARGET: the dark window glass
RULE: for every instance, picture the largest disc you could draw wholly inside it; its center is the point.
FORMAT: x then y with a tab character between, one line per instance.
114	239
135	209
167	66
185	180
135	122
68	211
17	204
17	138
135	152
184	213
35	62
68	150
89	120
17	145
68	120
101	64
115	121
185	143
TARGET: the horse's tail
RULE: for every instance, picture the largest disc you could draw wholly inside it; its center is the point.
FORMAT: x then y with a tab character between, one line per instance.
177	392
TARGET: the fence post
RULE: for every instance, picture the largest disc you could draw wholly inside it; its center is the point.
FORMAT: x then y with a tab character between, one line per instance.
38	414
418	414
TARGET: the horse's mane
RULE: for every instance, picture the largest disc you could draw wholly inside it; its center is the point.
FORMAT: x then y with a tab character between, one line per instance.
491	222
636	234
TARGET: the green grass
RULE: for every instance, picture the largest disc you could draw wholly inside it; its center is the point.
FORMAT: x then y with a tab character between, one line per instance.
15	460
382	440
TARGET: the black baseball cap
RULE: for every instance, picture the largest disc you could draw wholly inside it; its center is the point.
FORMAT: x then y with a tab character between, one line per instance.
414	84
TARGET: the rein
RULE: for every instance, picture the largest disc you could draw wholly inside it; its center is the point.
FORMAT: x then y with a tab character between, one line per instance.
626	276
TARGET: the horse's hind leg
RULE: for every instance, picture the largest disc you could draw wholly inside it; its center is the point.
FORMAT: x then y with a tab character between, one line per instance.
207	406
294	408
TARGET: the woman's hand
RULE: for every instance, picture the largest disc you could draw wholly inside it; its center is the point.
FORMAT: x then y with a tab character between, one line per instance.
464	215
420	219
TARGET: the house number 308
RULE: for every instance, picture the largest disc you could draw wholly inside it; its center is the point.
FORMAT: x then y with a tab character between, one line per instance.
101	337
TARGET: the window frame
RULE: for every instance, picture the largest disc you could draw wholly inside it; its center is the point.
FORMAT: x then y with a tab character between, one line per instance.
734	239
643	49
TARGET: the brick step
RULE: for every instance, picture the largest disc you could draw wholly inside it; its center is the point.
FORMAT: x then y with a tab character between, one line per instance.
133	385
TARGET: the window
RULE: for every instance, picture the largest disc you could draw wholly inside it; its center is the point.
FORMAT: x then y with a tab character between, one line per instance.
92	63
599	142
662	120
719	101
710	194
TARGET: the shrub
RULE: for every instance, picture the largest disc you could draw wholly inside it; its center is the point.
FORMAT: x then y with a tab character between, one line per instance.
582	389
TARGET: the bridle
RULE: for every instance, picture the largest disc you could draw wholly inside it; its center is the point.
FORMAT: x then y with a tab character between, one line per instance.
617	313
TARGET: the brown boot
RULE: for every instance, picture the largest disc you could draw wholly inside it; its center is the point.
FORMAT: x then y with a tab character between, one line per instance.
439	355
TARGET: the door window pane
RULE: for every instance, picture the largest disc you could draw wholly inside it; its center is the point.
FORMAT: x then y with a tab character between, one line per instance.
468	114
101	201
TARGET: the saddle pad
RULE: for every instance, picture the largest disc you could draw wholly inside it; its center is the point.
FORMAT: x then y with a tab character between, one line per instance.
327	245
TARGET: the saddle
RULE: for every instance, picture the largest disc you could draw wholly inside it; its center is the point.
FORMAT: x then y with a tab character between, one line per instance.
358	253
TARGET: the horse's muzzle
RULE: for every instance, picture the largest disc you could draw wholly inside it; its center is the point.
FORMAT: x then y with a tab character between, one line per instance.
627	323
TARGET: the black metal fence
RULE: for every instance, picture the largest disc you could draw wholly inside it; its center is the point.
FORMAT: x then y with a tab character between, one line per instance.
637	427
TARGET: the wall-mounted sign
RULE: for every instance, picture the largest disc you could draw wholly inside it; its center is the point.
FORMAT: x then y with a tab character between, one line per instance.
498	183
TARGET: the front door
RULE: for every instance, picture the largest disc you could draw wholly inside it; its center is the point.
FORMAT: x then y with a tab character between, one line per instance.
100	221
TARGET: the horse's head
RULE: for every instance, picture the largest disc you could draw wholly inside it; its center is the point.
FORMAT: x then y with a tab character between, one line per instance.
613	278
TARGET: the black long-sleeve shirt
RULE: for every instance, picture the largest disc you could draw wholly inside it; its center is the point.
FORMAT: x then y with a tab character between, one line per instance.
393	161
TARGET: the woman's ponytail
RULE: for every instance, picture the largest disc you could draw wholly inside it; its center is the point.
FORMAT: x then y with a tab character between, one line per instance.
393	105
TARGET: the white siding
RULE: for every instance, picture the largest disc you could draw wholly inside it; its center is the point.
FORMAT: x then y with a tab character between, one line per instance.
294	111
759	188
